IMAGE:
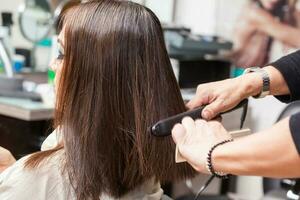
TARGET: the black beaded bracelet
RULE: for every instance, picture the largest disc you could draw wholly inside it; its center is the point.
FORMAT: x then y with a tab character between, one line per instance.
209	165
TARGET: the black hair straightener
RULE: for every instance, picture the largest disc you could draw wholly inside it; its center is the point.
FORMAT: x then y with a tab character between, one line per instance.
164	127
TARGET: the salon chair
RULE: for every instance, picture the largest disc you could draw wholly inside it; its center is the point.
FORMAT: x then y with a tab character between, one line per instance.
283	188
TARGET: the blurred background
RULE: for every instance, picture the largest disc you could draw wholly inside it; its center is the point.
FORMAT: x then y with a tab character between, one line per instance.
206	40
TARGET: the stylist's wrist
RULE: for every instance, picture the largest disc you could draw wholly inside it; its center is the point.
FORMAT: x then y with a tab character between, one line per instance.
251	84
220	158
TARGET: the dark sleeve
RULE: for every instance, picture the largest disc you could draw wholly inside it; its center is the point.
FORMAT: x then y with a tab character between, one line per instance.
289	67
295	130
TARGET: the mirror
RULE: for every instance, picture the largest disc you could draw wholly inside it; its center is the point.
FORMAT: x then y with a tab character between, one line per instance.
35	20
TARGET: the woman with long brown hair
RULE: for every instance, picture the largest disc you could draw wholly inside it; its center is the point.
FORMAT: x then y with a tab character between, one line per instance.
114	80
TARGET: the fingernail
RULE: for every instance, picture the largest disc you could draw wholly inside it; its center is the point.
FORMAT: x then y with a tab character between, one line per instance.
206	114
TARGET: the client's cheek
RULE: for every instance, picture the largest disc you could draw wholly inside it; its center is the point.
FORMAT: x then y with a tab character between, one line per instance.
52	65
58	70
57	78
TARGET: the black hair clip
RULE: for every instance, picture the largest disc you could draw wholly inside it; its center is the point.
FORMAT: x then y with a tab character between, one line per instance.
164	127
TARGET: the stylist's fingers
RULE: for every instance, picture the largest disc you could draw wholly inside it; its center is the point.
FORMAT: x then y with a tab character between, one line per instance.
202	129
178	133
202	97
198	101
215	125
213	109
189	125
218	130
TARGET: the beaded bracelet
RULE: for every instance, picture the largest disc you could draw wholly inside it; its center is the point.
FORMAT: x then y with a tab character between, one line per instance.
209	165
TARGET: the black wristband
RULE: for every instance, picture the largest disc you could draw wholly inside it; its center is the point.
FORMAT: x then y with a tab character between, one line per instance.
209	165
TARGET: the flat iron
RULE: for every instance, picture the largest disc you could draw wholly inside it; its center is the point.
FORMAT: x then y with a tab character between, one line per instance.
164	127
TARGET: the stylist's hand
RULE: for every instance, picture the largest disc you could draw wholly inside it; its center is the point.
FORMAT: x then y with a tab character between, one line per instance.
6	159
195	139
218	96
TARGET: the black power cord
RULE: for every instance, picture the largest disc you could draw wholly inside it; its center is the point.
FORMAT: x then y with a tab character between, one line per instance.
242	120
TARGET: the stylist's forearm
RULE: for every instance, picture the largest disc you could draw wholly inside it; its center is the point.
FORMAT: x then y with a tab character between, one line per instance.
252	83
251	156
278	85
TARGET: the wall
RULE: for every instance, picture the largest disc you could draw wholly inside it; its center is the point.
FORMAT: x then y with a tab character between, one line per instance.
213	17
164	10
197	15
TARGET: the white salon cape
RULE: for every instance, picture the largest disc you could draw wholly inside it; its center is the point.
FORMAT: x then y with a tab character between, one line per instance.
47	182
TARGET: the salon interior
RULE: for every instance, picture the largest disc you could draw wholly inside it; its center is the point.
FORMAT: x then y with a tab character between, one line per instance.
203	40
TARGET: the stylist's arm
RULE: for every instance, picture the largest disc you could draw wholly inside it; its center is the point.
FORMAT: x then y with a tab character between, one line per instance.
269	153
223	95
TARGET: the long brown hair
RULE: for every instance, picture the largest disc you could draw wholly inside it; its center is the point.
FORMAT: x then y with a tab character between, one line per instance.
115	83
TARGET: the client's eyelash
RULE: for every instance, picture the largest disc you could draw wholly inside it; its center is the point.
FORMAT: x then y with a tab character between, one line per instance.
60	55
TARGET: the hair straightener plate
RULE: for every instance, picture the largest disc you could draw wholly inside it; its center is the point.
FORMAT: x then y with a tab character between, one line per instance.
165	126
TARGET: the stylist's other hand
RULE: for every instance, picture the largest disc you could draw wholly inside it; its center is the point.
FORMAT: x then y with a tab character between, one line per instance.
195	138
6	159
219	96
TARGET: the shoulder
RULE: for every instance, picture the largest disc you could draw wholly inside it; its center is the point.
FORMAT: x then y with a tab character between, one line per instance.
46	181
52	140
